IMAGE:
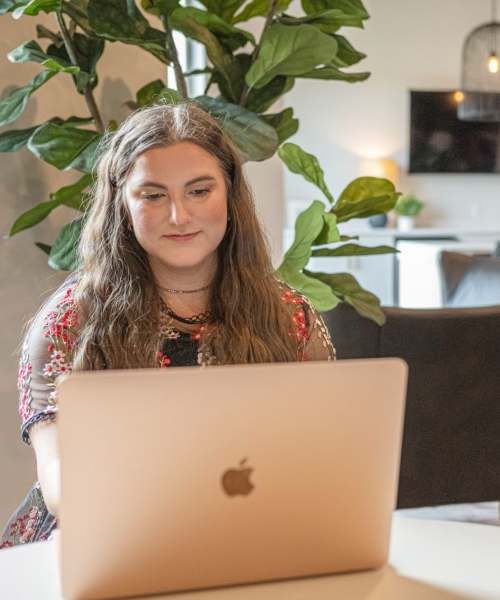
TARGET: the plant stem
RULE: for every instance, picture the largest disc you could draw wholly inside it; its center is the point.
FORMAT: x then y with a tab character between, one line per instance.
89	96
255	53
172	50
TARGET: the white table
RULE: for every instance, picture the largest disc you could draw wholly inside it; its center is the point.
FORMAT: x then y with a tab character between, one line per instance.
430	560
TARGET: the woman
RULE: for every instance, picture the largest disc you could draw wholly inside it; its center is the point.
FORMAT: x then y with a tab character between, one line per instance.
174	272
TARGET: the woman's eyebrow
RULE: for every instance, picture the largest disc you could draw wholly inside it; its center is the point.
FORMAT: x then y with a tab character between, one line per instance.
148	183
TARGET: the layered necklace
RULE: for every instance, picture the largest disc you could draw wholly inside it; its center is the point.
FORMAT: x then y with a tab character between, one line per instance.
200	319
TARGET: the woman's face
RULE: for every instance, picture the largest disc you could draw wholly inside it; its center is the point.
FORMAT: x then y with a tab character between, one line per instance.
177	200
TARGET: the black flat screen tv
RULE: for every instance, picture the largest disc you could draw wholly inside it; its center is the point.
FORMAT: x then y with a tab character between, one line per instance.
441	143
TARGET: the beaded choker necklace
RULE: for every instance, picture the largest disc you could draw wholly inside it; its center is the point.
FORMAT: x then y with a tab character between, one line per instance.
199	319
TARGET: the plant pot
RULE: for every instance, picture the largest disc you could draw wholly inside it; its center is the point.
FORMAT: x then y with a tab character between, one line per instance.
406	223
378	221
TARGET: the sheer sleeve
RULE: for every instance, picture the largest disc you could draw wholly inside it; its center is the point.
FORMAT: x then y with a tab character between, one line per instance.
317	344
46	354
309	329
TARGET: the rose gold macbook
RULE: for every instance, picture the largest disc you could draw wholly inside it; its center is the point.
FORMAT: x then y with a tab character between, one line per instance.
189	478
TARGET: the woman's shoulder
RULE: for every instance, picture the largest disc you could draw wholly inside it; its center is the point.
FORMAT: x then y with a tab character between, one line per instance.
57	318
294	299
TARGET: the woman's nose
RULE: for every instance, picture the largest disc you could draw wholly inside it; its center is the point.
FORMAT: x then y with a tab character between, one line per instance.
178	213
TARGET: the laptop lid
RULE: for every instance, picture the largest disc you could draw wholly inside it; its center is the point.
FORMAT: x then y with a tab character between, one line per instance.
189	478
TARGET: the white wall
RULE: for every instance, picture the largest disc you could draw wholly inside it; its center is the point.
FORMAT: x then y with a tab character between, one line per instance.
410	45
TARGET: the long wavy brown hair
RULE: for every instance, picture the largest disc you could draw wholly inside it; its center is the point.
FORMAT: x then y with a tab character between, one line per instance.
117	296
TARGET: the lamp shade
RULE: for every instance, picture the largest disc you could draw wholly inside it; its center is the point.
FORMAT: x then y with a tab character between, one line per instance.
380	167
481	74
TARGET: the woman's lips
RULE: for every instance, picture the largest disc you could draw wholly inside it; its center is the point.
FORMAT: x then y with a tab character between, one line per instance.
182	238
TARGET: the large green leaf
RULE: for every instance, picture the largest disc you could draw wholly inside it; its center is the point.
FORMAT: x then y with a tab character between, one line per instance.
33	216
308	226
112	20
354	250
345	286
229	36
319	293
70	195
259	8
300	162
32	52
63	255
259	100
330	232
330	72
34	7
354	10
254	138
15	139
364	197
290	51
347	55
65	147
13	103
328	21
156	91
284	123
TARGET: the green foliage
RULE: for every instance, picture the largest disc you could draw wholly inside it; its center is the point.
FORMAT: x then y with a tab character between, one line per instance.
113	21
365	197
256	139
259	8
408	205
284	123
249	75
290	51
12	104
308	227
65	147
300	162
361	198
347	289
63	254
70	195
34	7
353	250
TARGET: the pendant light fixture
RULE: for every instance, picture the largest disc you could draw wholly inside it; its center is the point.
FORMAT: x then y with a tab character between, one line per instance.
480	99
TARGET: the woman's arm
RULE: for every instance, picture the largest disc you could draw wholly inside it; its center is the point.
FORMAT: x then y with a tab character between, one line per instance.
43	436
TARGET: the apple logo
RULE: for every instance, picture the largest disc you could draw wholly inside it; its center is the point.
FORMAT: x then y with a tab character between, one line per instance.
237	481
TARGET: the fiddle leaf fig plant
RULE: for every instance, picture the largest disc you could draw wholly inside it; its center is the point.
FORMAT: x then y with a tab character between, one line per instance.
317	227
245	77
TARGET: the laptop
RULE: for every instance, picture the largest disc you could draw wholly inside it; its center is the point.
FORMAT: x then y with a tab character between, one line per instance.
192	478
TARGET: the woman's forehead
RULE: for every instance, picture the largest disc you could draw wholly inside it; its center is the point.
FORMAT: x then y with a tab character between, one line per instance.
180	162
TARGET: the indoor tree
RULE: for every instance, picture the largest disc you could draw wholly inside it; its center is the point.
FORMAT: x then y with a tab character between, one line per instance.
245	78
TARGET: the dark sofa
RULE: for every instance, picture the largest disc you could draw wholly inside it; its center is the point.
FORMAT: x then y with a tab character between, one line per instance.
451	442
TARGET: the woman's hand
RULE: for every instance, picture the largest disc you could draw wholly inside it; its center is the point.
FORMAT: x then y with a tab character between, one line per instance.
43	436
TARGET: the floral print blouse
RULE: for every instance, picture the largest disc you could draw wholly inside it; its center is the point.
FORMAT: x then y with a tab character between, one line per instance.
47	354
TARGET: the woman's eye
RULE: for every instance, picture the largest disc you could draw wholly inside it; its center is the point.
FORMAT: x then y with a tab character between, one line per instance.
199	192
152	196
